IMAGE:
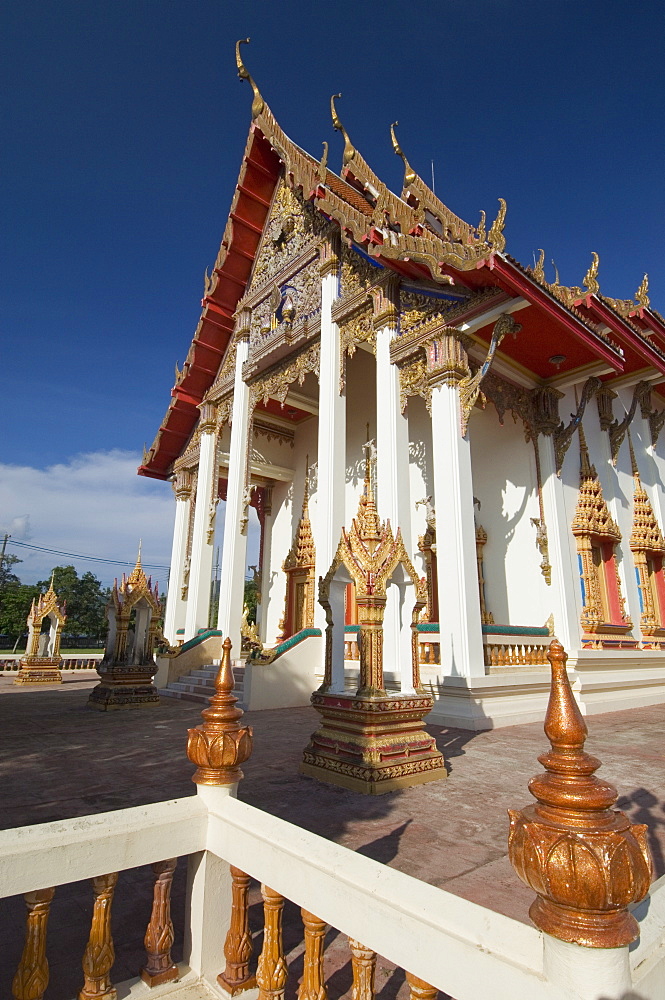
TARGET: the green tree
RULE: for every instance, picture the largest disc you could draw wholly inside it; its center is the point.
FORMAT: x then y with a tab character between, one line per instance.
86	601
15	601
7	577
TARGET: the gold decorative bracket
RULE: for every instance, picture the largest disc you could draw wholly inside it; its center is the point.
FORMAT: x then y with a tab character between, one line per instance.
617	430
604	399
564	434
469	386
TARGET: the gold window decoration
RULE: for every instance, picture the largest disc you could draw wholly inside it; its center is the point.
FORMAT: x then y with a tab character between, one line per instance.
597	535
648	547
300	577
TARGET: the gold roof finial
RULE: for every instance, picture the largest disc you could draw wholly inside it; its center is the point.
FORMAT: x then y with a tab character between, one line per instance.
258	104
495	236
323	162
349	148
409	172
642	293
138	557
539	268
591	277
556	274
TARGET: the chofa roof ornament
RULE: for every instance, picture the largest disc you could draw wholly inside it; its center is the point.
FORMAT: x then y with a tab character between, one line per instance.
349	148
258	104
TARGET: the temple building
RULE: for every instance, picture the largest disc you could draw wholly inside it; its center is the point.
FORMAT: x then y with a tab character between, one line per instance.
512	426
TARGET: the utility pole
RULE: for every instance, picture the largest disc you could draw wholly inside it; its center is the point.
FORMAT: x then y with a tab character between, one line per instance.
2	554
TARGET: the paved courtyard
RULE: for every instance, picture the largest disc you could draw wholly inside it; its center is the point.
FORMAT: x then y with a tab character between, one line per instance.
58	760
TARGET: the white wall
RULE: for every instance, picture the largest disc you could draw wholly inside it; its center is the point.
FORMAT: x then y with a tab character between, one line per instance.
504	480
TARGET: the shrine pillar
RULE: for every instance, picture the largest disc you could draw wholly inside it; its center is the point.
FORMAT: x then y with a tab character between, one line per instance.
392	477
176	605
459	601
234	549
330	492
200	573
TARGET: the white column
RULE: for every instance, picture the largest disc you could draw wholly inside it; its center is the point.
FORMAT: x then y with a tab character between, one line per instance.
393	503
234	546
331	459
208	892
176	607
565	592
200	573
459	601
392	443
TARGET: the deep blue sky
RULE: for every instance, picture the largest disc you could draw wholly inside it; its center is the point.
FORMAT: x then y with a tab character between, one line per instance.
124	125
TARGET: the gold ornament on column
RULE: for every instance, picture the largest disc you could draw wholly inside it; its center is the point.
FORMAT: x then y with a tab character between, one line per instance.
159	936
220	745
32	975
586	861
238	944
100	954
272	971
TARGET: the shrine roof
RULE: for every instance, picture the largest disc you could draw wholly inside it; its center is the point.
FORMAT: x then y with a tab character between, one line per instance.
418	237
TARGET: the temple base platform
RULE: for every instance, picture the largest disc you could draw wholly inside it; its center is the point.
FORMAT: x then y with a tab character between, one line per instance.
39	670
111	695
372	744
601	682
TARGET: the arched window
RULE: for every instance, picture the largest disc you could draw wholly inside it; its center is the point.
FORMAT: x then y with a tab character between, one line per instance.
648	548
597	535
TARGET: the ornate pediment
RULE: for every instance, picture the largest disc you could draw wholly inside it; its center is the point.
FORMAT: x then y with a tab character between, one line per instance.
293	226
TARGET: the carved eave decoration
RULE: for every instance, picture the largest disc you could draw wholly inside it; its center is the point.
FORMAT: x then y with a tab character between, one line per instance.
563	435
277	380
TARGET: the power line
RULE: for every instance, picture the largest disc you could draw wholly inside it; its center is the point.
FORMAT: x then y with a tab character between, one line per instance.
74	555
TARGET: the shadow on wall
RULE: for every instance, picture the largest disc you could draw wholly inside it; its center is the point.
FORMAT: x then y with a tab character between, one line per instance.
642	806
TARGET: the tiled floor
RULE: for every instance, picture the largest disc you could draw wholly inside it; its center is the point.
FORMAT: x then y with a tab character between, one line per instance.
58	759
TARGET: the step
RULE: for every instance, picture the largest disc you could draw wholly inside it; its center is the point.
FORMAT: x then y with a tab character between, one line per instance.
198	699
192	688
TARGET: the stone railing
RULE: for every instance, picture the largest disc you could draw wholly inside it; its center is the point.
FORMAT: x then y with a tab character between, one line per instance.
11	664
579	949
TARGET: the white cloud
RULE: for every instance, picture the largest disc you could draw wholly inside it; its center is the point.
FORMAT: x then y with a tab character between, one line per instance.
94	504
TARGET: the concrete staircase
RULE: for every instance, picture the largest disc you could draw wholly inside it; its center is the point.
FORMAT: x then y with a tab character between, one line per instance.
199	685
